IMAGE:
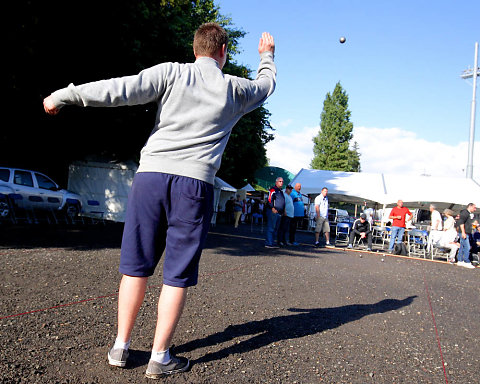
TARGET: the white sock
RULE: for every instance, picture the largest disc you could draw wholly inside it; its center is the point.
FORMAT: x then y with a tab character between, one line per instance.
162	357
121	344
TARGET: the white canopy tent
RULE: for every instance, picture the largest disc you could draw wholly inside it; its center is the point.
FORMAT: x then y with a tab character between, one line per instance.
351	187
248	188
222	192
387	189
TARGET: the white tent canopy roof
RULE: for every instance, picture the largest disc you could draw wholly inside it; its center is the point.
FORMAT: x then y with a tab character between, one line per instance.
415	191
223	185
248	188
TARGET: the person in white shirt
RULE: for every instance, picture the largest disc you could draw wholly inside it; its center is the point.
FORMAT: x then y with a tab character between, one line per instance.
321	215
436	226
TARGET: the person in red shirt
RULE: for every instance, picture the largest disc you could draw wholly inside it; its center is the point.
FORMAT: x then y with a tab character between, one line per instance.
398	215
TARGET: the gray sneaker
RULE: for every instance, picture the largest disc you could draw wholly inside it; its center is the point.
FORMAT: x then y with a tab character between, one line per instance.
156	370
118	357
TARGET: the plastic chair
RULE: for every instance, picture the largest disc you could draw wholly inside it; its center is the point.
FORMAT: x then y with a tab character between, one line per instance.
343	233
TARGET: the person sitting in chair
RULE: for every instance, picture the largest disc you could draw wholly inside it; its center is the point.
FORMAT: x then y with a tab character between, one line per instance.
361	228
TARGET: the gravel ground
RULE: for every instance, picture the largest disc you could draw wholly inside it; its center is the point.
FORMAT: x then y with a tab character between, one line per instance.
295	315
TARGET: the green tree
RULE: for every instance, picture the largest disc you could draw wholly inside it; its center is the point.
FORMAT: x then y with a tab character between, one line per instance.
245	152
332	144
354	159
50	47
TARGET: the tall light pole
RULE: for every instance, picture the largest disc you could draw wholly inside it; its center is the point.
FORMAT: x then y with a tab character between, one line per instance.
466	75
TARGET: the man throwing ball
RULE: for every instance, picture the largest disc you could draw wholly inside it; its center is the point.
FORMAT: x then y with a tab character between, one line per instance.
171	200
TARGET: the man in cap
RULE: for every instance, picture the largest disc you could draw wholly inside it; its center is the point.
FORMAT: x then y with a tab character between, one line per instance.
361	228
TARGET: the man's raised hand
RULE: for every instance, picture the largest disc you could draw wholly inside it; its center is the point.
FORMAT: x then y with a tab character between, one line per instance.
266	43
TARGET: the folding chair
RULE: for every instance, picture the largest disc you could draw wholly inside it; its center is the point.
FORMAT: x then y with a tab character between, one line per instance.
343	233
387	235
417	243
378	235
357	240
437	251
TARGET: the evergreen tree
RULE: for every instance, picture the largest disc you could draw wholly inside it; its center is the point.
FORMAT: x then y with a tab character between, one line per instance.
332	144
354	159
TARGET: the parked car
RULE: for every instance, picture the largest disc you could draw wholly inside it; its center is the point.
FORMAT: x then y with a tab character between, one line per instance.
33	191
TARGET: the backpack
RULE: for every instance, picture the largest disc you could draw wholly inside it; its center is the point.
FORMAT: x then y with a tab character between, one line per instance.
400	249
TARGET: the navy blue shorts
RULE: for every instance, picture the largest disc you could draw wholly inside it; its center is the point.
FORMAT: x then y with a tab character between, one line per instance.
166	213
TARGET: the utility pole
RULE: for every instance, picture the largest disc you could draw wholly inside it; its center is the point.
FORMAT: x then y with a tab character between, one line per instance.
468	73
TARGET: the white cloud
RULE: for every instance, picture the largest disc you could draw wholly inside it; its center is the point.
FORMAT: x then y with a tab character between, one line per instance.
393	150
292	151
383	150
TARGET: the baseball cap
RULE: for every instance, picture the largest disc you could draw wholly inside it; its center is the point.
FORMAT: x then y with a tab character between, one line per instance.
363	216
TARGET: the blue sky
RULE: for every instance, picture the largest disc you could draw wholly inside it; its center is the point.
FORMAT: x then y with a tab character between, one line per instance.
400	66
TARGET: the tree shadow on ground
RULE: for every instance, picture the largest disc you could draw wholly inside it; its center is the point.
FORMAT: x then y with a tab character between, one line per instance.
304	322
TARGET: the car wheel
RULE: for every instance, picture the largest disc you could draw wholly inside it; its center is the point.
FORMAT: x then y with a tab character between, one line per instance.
4	208
72	210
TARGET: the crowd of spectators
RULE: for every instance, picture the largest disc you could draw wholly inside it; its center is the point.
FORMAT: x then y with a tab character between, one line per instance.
284	210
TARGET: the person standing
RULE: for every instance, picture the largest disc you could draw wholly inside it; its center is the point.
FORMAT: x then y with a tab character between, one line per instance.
398	215
435	227
298	212
172	192
321	216
229	209
237	210
285	221
436	219
465	225
275	210
476	243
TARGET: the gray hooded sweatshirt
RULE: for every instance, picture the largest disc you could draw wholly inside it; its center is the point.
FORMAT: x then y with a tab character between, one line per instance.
198	105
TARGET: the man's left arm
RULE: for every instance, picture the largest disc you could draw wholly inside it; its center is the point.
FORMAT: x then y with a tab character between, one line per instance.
255	92
409	214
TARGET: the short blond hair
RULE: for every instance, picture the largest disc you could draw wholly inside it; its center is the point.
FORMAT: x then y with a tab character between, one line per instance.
208	39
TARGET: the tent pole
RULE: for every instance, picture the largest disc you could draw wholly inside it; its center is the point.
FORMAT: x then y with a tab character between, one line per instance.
382	223
355	210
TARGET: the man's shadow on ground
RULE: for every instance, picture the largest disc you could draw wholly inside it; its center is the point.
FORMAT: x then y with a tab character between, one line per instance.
304	322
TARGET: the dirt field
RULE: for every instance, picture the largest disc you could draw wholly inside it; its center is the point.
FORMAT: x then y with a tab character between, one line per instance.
296	315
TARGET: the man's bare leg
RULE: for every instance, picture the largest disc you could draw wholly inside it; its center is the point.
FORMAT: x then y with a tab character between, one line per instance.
130	299
170	308
327	237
